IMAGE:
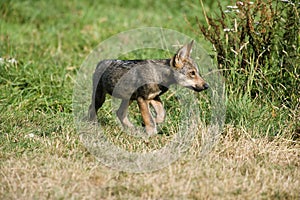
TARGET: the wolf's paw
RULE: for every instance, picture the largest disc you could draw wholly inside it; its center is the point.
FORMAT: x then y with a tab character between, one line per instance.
127	124
151	130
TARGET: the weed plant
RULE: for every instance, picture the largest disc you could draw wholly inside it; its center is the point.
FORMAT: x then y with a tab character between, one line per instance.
257	50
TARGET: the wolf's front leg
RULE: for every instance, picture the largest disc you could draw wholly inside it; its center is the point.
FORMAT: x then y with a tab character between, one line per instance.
146	115
159	109
122	114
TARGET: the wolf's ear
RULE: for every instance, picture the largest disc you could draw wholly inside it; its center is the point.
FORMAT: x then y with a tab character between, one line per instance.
182	54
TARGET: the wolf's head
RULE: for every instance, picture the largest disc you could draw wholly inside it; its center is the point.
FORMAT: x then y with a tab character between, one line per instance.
186	70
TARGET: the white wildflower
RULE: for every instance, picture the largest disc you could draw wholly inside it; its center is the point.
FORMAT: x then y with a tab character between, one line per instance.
30	135
229	11
12	61
240	3
228	29
232	7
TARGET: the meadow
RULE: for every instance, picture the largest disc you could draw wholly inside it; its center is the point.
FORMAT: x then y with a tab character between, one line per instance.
42	46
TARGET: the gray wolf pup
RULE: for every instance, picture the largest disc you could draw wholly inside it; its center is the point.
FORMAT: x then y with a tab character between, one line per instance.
143	81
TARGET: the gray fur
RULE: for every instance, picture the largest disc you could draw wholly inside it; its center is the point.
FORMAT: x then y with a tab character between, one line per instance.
144	81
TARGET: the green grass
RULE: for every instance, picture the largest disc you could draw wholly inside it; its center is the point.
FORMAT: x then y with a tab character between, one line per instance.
41	155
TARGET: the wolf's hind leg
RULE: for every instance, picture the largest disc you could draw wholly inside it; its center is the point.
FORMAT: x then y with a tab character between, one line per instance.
122	113
159	109
146	115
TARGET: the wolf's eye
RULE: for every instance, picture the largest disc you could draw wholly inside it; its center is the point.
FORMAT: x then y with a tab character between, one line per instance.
192	73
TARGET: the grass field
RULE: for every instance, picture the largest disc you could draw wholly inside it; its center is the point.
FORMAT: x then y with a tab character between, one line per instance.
42	46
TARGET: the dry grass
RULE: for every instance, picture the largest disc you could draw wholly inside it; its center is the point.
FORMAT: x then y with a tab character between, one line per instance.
237	168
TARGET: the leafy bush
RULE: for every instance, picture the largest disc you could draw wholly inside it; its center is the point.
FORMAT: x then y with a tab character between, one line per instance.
257	48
